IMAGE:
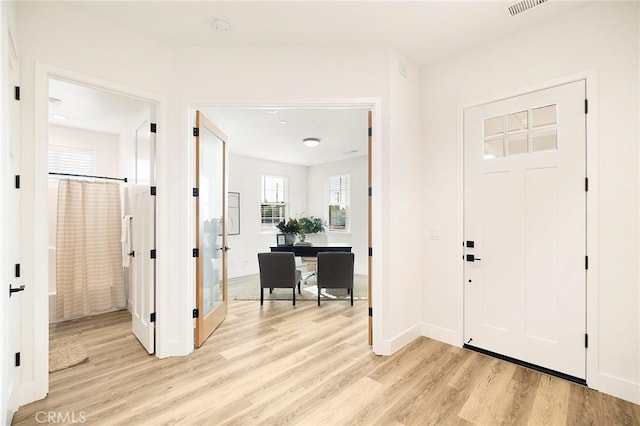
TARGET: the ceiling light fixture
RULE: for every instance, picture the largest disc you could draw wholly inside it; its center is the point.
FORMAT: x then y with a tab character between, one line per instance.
311	142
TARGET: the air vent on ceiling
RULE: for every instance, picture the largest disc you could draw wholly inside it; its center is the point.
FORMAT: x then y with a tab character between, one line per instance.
523	5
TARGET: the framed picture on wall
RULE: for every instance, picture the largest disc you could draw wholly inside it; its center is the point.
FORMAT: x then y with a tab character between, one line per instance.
281	241
233	216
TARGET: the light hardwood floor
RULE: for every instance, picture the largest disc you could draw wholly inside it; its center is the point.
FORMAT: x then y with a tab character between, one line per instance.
306	365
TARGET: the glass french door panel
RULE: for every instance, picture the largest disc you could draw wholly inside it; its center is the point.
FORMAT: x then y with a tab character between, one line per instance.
211	218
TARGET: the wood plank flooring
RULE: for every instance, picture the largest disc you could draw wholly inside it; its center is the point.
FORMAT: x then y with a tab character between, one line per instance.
306	365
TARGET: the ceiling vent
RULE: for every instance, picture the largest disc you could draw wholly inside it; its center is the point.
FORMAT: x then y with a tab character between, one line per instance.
523	5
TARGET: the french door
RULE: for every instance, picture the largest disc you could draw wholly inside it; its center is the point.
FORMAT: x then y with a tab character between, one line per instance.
525	228
211	229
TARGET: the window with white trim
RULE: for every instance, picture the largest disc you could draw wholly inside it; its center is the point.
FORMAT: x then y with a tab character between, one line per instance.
339	196
274	201
66	159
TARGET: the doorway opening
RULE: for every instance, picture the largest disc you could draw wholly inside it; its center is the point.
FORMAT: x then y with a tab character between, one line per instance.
101	154
273	176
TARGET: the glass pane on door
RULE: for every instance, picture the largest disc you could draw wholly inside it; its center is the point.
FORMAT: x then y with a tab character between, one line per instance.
211	208
211	269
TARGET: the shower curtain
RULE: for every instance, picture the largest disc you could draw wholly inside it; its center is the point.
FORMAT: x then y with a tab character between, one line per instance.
89	276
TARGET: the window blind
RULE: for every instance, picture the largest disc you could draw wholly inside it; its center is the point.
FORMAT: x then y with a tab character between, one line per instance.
64	159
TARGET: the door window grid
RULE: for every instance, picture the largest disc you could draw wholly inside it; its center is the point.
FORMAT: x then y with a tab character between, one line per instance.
521	132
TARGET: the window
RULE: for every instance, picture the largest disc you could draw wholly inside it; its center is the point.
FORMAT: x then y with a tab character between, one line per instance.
273	203
521	132
339	193
64	159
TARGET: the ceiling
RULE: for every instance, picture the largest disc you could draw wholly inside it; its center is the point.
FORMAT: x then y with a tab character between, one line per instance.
269	134
87	108
277	134
426	31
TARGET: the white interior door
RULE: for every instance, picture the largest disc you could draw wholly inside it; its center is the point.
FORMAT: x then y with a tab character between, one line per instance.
142	290
525	218
10	222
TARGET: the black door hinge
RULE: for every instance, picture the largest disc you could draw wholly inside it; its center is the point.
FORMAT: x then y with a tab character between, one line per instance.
16	93
196	313
370	251
196	132
17	181
586	340
17	270
370	312
586	106
586	184
152	254
196	252
153	127
586	262
153	190
196	192
17	359
152	317
370	132
370	191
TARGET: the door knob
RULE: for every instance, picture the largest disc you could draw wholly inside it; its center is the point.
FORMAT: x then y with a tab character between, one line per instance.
15	290
472	258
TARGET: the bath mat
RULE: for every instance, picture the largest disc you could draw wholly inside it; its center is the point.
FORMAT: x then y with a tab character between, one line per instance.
65	352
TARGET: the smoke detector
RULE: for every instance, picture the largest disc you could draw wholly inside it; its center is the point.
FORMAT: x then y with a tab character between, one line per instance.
221	26
523	5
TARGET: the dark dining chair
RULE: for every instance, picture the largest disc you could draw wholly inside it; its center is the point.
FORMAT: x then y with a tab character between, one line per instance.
335	270
278	270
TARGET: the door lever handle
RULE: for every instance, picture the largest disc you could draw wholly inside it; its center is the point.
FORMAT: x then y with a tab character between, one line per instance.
472	258
15	290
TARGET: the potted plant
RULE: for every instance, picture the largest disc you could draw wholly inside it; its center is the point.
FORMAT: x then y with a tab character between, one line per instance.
309	225
290	229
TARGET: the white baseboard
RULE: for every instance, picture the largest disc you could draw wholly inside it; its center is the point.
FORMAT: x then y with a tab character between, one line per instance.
441	334
620	388
391	346
52	308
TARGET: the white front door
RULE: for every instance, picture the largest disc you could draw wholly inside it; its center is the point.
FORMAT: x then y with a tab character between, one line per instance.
525	228
142	290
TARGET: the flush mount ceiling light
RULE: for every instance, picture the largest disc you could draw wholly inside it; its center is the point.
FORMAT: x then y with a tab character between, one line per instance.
311	142
221	26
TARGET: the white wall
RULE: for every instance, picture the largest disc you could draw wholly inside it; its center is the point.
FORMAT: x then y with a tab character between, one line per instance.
245	177
356	168
58	37
603	37
307	196
107	163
